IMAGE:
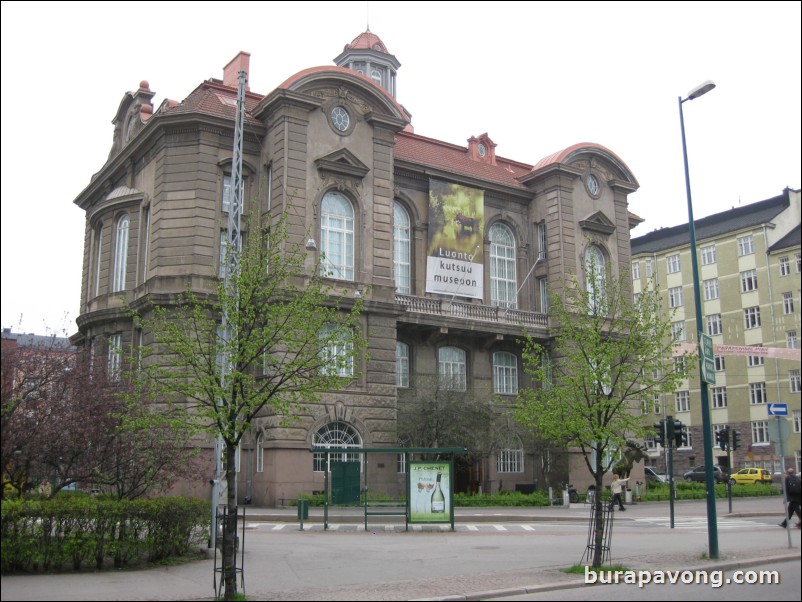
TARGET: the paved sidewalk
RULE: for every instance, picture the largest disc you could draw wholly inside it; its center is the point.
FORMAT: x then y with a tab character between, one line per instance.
500	557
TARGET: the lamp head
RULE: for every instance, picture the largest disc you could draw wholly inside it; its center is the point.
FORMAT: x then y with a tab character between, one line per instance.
311	245
701	89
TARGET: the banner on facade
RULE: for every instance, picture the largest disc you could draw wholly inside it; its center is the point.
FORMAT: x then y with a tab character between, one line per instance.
455	265
430	494
780	353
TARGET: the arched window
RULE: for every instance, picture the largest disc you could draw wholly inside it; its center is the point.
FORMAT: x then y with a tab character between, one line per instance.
505	373
121	253
503	278
401	365
510	454
595	277
336	435
337	236
376	76
451	368
98	255
402	250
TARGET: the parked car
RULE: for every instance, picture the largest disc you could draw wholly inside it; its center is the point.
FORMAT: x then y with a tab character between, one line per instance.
654	476
698	474
750	476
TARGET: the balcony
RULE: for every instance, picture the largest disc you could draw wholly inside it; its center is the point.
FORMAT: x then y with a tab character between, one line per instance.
419	308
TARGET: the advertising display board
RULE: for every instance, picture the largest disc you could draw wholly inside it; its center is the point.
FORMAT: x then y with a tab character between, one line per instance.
430	492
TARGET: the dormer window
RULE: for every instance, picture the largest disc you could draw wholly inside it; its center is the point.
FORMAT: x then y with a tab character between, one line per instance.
482	150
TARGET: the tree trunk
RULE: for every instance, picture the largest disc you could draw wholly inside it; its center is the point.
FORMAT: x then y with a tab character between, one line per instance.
229	575
598	509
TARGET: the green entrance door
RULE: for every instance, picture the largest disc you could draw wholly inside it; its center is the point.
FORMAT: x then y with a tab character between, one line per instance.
345	482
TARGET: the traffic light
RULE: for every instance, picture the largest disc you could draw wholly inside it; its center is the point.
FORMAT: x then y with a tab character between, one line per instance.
736	440
683	437
680	432
659	433
671	426
723	438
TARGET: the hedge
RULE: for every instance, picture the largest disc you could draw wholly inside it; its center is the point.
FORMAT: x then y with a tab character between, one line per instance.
81	532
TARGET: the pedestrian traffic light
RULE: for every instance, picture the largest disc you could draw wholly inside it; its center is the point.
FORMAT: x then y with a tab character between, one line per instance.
659	433
723	438
736	440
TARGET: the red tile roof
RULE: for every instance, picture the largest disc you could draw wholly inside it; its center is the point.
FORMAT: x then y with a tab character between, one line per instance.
369	40
213	98
450	157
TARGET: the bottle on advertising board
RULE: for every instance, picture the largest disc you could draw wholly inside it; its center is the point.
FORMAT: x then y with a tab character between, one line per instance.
438	499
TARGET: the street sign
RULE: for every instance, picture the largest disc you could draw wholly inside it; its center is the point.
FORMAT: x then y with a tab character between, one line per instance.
706	359
778	409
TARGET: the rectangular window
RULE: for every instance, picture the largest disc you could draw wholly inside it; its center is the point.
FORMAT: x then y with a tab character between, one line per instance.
718	361
337	353
678	330
505	373
401	365
757	393
716	429
649	271
790	339
636	270
679	364
719	396
260	456
115	356
228	193
752	317
510	460
711	289
221	272
675	296
708	254
746	245
657	407
401	464
788	303
689	444
760	432
673	263
682	401
794	382
543	288
714	324
754	360
785	266
796	421
798	259
748	281
541	240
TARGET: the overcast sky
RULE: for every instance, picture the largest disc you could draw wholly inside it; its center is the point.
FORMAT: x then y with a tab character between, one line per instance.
536	76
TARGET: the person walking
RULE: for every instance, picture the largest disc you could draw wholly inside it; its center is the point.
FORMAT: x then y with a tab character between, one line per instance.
617	486
793	492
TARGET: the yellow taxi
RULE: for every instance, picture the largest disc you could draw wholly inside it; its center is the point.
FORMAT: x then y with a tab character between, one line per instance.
750	476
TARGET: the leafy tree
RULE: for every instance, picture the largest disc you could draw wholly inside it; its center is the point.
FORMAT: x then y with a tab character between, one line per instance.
607	355
287	339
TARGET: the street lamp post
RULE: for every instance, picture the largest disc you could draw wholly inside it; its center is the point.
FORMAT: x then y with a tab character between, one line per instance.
712	528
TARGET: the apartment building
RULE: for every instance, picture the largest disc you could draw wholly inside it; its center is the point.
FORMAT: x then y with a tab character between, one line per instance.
749	271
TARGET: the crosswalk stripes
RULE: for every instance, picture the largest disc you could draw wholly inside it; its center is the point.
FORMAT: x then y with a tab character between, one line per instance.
697	522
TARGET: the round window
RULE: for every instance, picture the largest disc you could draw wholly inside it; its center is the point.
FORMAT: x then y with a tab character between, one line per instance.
340	119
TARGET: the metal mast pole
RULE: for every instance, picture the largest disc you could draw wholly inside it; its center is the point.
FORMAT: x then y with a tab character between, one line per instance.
231	257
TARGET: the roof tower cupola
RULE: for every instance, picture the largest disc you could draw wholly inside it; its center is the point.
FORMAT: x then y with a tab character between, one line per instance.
368	55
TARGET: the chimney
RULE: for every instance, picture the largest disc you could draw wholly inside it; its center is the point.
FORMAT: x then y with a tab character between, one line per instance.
241	62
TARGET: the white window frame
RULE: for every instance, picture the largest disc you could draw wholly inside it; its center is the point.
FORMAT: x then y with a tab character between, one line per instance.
227	194
402	249
714	324
510	455
675	296
452	368
505	373
121	253
718	395
791	340
503	267
796	421
336	435
712	290
757	394
673	264
115	360
752	317
649	268
748	281
746	245
719	363
541	240
760	432
785	266
636	270
678	330
334	349
595	276
794	383
682	401
337	219
708	253
543	288
788	303
401	365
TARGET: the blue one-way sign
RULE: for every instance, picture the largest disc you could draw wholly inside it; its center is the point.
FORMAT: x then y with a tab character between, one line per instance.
778	409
